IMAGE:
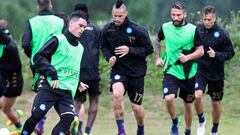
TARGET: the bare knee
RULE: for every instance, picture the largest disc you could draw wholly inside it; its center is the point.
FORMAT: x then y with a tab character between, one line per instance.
169	98
198	95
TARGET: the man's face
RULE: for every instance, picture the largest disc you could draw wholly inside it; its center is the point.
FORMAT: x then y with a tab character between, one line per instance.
77	27
178	16
119	15
209	20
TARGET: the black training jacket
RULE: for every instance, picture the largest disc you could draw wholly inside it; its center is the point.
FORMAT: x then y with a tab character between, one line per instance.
136	38
90	39
218	40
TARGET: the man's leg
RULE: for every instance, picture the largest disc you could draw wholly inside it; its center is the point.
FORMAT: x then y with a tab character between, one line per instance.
169	100
139	116
118	105
200	112
216	114
188	117
63	126
92	112
7	104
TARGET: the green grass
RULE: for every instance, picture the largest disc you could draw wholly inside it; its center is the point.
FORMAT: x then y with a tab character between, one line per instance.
157	120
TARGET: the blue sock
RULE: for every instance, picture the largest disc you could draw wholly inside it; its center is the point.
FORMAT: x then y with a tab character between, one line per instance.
175	122
120	124
201	117
187	131
215	127
87	130
140	129
80	126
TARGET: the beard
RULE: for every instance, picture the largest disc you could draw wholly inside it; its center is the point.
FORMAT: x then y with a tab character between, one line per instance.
178	23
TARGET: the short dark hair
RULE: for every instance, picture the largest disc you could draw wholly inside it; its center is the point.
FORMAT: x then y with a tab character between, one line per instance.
179	5
44	4
209	10
82	7
78	14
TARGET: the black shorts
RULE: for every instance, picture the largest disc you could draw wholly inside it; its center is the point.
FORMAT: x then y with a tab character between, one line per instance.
93	90
11	83
171	85
215	88
47	97
134	86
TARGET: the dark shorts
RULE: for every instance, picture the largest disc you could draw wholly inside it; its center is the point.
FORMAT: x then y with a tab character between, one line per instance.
134	86
171	85
47	97
215	88
11	83
93	90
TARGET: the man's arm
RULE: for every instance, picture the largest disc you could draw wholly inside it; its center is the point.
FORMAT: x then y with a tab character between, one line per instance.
42	59
145	46
4	38
228	51
104	45
27	39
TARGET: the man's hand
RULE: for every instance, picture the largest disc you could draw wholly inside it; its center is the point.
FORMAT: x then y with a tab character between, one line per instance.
112	60
54	84
183	58
159	62
122	50
211	53
82	86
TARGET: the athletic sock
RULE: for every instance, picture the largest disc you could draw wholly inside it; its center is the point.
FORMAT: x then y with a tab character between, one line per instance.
201	117
215	127
87	130
175	122
140	130
18	125
80	126
187	131
120	124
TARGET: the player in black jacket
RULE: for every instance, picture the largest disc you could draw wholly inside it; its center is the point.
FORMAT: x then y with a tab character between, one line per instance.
217	49
11	79
125	46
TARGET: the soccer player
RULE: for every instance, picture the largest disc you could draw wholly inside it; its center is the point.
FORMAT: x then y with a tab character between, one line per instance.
37	31
125	45
218	48
11	79
183	46
58	62
90	73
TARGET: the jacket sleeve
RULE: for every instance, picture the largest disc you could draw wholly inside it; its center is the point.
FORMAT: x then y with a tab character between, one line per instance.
104	45
27	39
42	59
144	47
4	38
228	50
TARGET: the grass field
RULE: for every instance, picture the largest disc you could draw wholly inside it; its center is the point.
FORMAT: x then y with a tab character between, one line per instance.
157	121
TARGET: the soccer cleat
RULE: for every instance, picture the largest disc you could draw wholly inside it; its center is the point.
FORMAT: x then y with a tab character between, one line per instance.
19	115
174	129
39	129
201	128
17	131
214	133
74	126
